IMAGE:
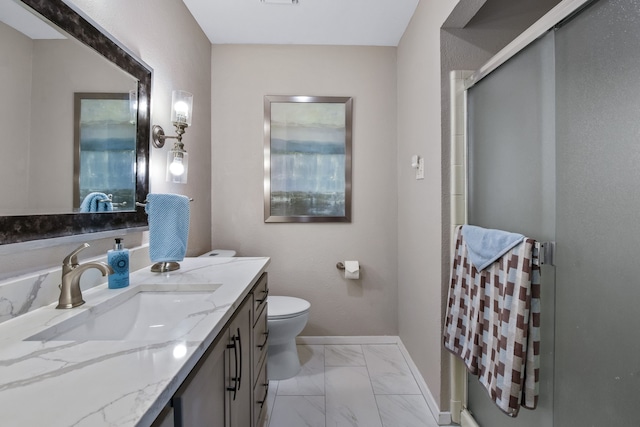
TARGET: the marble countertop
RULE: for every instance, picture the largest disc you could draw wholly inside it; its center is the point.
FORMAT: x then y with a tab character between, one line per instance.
112	383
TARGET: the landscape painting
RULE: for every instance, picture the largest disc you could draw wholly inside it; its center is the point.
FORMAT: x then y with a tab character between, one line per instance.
104	149
307	159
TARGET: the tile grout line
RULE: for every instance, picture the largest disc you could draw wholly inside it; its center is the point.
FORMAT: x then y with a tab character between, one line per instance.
373	391
324	374
275	397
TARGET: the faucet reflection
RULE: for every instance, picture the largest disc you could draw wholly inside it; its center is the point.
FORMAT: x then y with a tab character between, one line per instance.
70	293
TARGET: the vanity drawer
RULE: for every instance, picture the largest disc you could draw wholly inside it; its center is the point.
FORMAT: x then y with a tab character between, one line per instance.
260	339
260	393
260	293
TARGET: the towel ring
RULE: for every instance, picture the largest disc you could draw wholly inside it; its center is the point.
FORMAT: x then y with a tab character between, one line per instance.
143	204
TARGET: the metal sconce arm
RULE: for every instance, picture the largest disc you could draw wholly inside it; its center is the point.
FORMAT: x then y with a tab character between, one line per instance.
159	136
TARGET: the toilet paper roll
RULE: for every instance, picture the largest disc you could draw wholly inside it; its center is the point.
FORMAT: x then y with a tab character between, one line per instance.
351	270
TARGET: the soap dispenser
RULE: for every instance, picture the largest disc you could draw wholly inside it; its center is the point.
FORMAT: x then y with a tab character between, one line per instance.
118	259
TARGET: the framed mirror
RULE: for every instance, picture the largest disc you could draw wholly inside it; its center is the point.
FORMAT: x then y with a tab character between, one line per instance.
47	65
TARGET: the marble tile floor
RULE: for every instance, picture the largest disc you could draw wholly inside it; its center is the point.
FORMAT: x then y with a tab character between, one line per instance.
350	386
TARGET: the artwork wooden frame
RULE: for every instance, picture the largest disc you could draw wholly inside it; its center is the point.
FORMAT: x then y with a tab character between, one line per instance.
307	158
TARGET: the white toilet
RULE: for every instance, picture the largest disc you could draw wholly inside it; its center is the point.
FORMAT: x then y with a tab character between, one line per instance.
286	318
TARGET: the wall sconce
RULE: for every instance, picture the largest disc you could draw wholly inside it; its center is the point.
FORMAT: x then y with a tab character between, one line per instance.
177	157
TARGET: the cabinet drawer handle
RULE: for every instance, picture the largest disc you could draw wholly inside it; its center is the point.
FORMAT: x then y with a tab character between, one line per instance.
236	378
266	338
266	294
266	393
176	402
239	351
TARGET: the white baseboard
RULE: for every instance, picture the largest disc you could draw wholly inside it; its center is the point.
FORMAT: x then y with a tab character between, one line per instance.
339	340
442	418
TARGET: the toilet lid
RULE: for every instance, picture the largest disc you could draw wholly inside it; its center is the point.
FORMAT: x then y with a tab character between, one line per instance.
283	307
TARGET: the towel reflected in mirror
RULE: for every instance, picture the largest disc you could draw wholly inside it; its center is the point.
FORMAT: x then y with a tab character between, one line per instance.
96	202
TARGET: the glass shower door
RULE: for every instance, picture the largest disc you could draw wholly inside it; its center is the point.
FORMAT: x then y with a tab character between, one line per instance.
512	187
554	153
598	221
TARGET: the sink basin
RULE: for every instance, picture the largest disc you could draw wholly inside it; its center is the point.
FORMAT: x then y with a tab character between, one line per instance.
148	314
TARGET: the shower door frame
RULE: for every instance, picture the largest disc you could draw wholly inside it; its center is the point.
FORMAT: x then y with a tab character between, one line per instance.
461	81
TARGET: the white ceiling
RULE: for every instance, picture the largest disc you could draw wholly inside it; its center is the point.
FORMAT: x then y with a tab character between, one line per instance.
21	19
317	22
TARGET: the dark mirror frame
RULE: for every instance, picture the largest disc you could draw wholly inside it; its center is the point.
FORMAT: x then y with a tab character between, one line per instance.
17	229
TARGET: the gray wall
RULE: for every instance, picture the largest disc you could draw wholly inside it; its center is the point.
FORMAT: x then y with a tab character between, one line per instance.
304	256
15	84
419	202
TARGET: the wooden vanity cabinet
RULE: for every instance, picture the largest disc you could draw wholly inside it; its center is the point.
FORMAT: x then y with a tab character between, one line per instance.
165	419
259	382
223	388
239	368
202	399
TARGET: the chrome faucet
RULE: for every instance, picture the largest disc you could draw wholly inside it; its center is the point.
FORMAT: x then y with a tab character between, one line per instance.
70	293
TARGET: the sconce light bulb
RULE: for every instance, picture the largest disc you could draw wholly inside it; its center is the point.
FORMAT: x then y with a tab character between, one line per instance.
176	167
182	111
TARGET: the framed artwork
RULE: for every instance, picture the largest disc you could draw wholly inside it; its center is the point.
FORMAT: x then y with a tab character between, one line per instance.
105	148
307	158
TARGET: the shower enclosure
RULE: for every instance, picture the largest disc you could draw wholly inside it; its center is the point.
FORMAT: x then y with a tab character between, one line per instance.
553	140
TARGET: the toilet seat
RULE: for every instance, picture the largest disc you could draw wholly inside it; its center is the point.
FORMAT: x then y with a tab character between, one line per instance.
286	307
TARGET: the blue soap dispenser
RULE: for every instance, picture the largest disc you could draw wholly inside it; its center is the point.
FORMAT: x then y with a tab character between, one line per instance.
118	259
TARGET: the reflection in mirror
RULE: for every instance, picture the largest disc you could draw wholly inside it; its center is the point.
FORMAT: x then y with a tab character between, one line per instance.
45	74
48	53
105	152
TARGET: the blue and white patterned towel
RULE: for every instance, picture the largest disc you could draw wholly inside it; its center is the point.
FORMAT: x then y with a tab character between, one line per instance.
492	323
168	226
96	202
485	245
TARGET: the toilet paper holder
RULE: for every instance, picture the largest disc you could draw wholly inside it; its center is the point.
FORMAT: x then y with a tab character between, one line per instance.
340	266
351	269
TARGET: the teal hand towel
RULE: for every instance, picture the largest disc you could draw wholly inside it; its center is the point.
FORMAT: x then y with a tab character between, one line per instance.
168	216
